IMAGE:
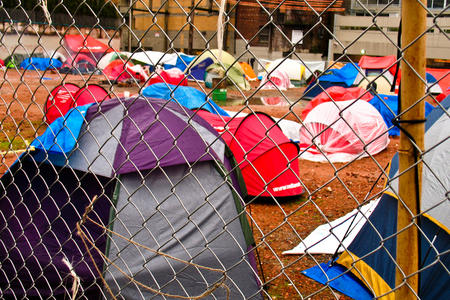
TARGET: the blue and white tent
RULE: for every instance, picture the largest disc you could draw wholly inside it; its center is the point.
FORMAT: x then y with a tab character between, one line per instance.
367	267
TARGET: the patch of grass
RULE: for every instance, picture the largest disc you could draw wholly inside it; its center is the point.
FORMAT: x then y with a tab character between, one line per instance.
15	144
15	138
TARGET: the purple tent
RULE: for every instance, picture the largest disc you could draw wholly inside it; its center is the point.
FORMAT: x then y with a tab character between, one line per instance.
160	176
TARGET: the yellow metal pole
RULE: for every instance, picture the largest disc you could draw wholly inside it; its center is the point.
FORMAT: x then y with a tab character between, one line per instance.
412	89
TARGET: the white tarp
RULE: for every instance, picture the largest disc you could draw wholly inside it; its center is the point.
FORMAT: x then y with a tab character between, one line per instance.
154	58
311	66
326	238
293	68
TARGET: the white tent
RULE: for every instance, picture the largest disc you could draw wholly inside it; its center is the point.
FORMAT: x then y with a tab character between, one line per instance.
294	68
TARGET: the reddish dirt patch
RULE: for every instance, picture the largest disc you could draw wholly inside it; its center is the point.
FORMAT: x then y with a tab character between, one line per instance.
331	190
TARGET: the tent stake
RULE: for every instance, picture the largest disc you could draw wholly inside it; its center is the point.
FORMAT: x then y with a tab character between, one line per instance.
411	145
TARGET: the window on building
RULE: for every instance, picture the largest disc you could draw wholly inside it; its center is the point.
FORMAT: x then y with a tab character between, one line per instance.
264	36
437	3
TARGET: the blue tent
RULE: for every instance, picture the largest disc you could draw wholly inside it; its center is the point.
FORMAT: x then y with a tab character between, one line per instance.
40	63
344	77
387	105
185	95
198	71
370	257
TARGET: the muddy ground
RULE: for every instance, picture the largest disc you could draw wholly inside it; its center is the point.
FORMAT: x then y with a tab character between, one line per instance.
331	190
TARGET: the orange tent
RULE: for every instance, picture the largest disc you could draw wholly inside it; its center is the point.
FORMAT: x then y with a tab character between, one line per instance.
248	70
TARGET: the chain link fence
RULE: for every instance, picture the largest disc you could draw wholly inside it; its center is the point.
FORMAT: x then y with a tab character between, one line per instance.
238	149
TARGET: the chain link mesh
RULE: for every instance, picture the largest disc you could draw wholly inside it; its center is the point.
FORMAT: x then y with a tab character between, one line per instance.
107	191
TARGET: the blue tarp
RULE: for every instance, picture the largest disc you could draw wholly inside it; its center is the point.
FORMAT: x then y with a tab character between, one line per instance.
185	95
344	77
39	63
346	74
62	134
345	283
389	107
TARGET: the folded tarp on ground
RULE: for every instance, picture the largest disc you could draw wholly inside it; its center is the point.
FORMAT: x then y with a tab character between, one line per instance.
332	237
154	58
40	63
186	96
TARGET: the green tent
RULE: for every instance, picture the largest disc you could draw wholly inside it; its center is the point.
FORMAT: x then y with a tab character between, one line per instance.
228	64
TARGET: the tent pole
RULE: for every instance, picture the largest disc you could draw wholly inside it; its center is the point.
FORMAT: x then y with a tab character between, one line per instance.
411	145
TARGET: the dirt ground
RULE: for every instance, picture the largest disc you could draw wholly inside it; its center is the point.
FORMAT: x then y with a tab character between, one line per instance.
331	190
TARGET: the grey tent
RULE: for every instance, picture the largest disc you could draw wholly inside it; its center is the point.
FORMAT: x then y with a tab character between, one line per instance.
163	179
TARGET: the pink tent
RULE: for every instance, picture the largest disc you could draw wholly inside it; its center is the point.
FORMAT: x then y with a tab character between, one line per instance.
277	79
343	131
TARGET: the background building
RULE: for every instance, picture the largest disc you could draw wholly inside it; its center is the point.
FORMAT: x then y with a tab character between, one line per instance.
356	33
293	28
163	25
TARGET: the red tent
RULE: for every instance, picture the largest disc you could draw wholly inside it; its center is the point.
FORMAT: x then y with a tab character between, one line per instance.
80	61
267	158
443	78
68	95
118	70
371	62
91	93
172	76
77	43
2	63
337	93
60	100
